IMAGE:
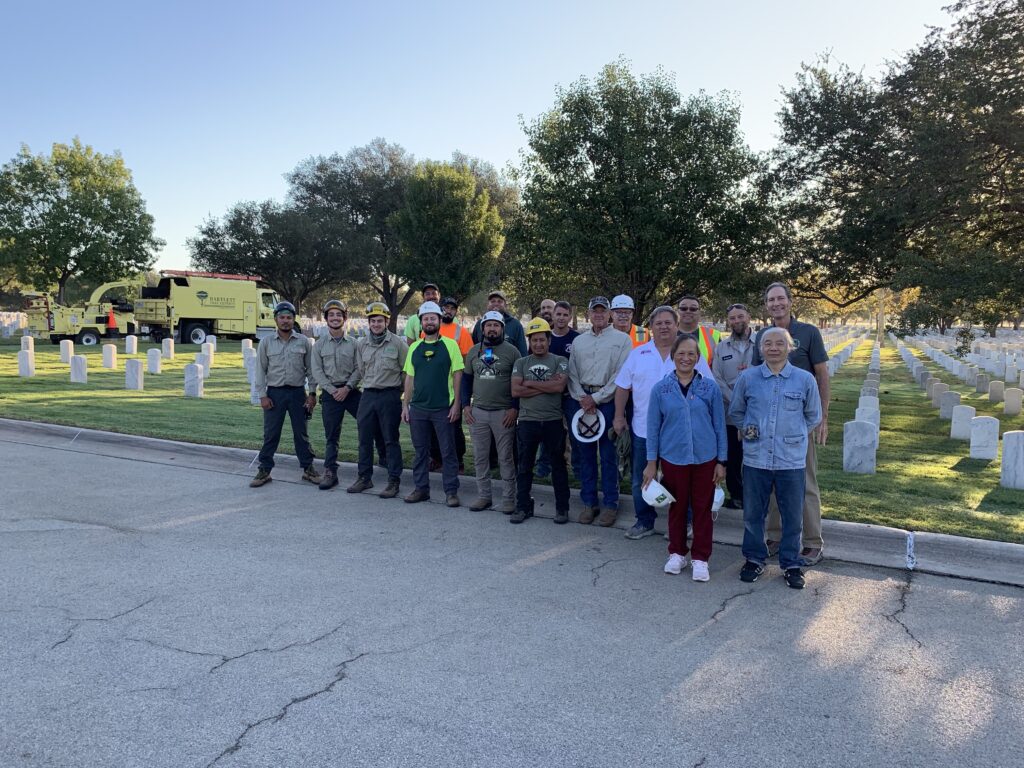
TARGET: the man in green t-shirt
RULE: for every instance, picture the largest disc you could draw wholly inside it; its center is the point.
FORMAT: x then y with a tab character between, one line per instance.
538	380
490	411
433	369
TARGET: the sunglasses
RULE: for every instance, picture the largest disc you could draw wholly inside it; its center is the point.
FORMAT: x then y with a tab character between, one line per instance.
689	309
731	307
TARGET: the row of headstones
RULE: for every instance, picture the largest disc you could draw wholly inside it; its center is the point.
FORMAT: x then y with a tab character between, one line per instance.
965	424
860	436
999	360
1012	398
12	322
836	361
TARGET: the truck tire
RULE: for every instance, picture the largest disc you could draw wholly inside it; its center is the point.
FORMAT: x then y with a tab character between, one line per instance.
195	333
88	338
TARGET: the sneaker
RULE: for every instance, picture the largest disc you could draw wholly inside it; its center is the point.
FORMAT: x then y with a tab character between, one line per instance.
480	505
262	478
700	571
794	578
639	532
417	496
608	517
452	500
675	564
587	515
562	517
520	516
360	485
310	475
773	547
750	572
810	557
330	480
391	491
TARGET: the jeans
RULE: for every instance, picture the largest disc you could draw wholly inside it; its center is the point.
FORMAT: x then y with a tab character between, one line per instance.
423	424
380	413
487	428
788	485
602	451
291	402
333	413
645	513
693	486
811	504
530	435
734	470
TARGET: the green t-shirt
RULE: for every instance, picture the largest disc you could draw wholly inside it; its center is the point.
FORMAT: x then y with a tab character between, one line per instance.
546	407
491	369
432	365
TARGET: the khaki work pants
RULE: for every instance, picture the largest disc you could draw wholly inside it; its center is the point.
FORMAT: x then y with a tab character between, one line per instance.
487	426
812	504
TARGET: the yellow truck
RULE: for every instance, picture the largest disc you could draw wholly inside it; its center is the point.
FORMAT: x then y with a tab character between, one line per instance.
189	306
109	314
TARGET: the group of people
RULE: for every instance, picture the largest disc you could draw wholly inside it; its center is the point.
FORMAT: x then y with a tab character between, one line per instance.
683	401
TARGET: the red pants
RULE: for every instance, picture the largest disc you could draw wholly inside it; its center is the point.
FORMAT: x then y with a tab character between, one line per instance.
693	486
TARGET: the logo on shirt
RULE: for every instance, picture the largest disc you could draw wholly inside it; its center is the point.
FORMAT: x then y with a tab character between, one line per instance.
540	372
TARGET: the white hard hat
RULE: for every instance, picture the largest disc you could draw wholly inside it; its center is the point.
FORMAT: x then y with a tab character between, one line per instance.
429	307
622	301
492	315
657	495
587	427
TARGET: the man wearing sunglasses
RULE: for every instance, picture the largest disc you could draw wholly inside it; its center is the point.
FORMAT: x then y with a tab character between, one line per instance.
689	322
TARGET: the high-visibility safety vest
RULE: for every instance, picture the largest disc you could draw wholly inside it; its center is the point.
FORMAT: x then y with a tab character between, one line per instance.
458	334
707	340
639	335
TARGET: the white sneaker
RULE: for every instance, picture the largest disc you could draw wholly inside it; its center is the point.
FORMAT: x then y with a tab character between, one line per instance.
675	564
700	571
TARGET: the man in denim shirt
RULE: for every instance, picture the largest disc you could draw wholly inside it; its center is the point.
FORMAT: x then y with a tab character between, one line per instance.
774	405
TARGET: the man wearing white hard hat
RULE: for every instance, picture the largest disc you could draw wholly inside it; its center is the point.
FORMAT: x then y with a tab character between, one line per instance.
622	320
490	410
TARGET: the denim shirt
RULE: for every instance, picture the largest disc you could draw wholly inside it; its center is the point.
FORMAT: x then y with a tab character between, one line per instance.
686	431
783	407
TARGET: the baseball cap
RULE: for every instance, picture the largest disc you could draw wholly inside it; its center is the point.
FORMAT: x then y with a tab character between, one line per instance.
622	301
598	301
499	294
430	285
449	300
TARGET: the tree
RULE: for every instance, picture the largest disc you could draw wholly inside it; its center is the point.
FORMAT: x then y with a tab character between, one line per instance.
450	232
629	189
74	213
293	250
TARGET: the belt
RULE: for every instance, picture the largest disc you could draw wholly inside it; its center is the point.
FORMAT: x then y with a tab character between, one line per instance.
382	389
286	386
590	389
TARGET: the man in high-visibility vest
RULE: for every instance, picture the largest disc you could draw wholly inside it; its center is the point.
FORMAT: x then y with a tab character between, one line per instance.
622	320
689	322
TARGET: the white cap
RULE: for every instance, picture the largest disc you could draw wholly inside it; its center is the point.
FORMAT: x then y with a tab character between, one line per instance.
493	315
622	301
429	307
657	495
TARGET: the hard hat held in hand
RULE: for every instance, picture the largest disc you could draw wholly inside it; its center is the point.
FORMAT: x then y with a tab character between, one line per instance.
587	427
657	495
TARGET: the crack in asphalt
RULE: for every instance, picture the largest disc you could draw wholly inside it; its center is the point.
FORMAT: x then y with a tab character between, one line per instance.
79	622
701	763
894	617
594	571
725	604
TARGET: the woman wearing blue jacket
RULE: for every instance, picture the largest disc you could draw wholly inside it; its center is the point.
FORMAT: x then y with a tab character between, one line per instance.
686	434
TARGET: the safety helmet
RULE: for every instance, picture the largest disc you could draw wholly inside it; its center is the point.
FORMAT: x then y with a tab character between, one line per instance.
377	309
284	307
428	308
537	325
335	304
622	301
492	315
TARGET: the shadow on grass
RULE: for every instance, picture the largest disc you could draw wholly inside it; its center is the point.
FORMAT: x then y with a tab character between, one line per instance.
1000	501
971	466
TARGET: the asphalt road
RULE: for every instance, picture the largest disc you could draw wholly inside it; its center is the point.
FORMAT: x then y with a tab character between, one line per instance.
154	615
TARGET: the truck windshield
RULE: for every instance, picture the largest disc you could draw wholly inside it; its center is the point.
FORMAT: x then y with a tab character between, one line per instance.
270	300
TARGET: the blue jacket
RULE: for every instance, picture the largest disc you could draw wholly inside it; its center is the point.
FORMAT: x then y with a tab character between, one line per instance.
783	407
690	431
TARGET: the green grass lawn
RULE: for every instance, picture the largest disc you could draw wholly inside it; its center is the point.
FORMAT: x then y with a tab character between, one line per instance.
924	482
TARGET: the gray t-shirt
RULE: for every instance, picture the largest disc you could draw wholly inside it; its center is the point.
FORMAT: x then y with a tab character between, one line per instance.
491	369
546	407
810	349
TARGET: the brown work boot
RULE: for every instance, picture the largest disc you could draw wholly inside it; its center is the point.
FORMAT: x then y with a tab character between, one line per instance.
480	505
587	515
360	485
310	475
262	478
330	480
607	518
417	496
452	500
391	491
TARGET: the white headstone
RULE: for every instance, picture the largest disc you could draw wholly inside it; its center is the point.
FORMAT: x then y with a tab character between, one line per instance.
1012	473
930	389
109	356
203	360
868	392
984	437
947	402
131	345
1012	401
167	349
1010	377
193	380
246	344
868	414
254	398
937	391
960	429
79	369
27	363
995	391
28	343
67	349
981	384
208	349
153	361
860	439
867	401
133	374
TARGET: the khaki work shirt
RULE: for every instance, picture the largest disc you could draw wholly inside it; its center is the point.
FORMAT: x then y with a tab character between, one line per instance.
334	363
595	361
379	366
731	357
282	363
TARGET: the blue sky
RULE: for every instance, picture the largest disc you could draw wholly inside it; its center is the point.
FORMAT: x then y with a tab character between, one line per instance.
211	103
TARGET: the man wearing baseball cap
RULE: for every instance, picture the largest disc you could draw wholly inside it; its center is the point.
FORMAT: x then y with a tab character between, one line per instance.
412	330
496	302
622	320
597	356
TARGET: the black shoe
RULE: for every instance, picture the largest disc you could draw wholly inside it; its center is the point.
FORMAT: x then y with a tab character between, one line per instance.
794	578
750	572
520	516
330	480
561	517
